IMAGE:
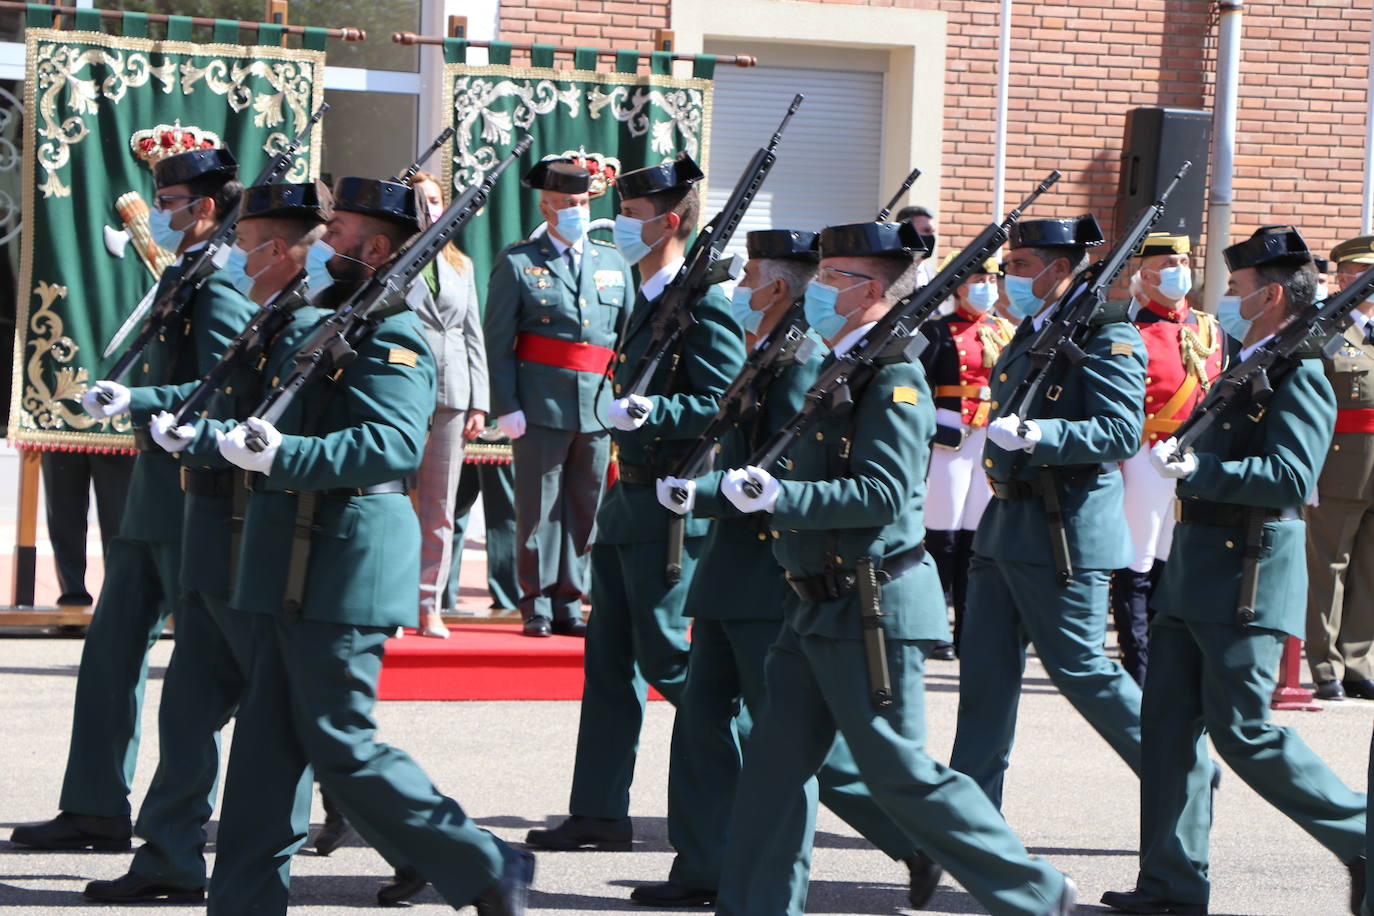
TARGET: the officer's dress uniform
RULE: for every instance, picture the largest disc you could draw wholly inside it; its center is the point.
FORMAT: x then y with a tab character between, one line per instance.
1213	673
143	564
552	315
1015	596
963	347
856	490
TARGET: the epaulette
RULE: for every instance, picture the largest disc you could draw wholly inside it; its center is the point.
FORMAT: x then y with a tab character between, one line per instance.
1111	313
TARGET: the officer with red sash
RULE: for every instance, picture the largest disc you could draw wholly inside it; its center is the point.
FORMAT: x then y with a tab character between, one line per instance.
1185	352
553	309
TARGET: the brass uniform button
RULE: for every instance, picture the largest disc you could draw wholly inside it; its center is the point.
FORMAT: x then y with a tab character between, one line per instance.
622	357
586	324
617	388
987	462
820	437
1230	544
1002	377
762	536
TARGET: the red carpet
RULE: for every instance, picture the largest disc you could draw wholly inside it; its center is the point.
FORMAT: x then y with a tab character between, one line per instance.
483	662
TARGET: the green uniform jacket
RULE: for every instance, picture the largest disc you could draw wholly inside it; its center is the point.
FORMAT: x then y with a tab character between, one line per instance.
1277	468
737	577
365	555
876	510
685	399
533	292
1096	420
217	313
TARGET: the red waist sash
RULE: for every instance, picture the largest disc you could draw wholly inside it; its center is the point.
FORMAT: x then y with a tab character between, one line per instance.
1355	420
566	354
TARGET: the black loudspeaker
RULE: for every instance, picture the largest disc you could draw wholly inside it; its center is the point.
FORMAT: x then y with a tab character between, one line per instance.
1157	142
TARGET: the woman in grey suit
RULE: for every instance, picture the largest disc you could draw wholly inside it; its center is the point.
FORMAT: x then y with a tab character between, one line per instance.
453	323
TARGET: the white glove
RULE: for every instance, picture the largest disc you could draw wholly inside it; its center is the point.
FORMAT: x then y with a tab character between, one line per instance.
733	488
1162	457
668	499
512	424
1005	433
172	439
623	412
105	399
235	449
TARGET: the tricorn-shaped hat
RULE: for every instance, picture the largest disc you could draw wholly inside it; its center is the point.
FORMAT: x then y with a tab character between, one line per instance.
1269	245
310	201
783	244
1080	232
873	240
558	175
384	199
193	164
676	173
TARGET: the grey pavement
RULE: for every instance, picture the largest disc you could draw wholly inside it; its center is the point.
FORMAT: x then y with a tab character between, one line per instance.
509	764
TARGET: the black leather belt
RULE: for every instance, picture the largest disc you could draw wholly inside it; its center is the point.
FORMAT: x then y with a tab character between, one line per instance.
144	442
1025	489
640	474
207	483
258	484
837	583
1226	515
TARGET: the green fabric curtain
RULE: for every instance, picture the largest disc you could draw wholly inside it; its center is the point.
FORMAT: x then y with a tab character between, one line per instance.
620	121
99	108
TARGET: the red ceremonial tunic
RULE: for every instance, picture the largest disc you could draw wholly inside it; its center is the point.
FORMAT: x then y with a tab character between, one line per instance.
1170	391
954	364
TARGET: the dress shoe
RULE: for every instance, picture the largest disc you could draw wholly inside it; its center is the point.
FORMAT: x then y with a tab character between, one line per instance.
670	894
538	626
332	835
132	888
76	831
943	651
606	834
925	876
1138	901
436	632
406	884
573	627
1330	690
1357	873
508	895
1361	688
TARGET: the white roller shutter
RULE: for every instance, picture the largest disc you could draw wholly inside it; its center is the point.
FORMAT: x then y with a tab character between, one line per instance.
829	159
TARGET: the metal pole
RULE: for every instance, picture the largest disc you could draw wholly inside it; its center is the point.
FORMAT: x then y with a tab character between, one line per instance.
1219	195
999	162
1367	205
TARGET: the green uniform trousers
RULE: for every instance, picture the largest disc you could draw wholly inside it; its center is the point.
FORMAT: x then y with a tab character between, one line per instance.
495	483
200	693
1340	589
636	633
725	665
817	687
140	586
1218	679
1011	605
559	477
309	704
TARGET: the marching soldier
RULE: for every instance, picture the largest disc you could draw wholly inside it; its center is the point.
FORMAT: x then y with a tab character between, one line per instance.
328	568
736	619
553	309
278	225
1184	353
637	632
1016	596
1340	526
196	190
1213	666
852	503
963	347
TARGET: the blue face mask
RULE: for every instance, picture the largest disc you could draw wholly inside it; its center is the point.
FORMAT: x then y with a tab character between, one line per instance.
1021	298
317	275
981	296
744	315
1175	282
1322	291
629	237
236	268
819	306
160	225
572	224
1230	318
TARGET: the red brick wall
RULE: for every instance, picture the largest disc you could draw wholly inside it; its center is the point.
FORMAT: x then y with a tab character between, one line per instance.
1075	71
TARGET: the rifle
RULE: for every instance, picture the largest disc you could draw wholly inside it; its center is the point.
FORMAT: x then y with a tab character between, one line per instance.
409	174
785	343
1057	348
331	345
1253	380
170	308
703	265
894	337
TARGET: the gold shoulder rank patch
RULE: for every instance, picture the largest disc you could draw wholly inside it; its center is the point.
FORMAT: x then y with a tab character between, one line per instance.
1121	348
904	395
401	356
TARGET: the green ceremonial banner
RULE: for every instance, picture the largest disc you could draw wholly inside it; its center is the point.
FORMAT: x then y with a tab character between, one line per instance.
616	122
98	111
